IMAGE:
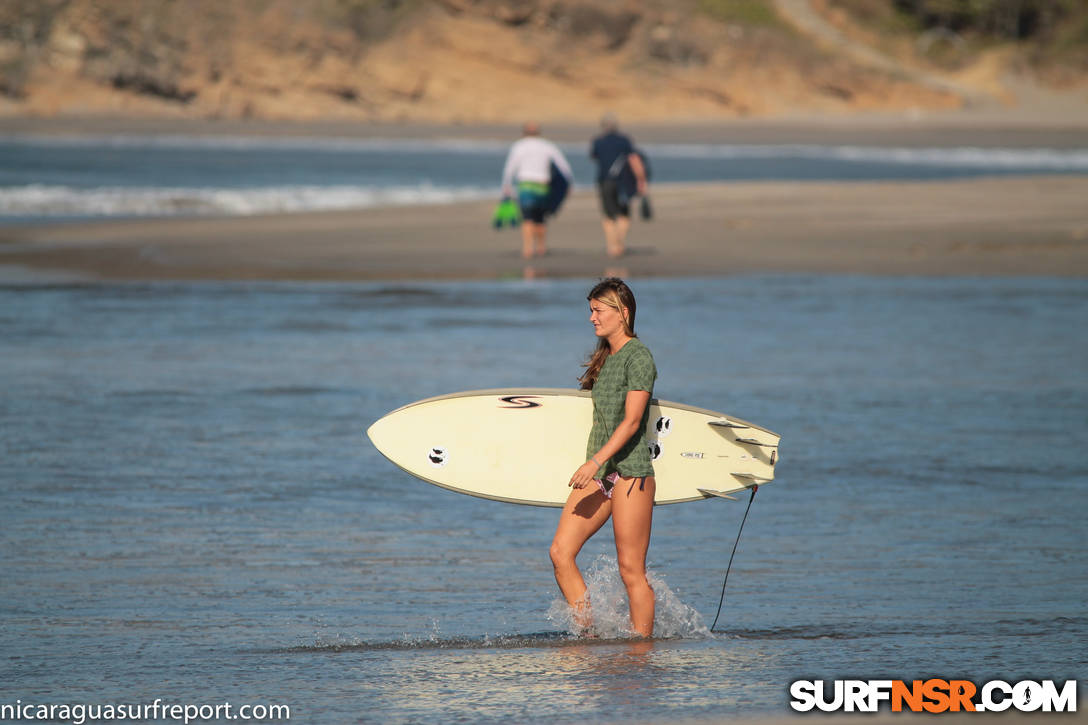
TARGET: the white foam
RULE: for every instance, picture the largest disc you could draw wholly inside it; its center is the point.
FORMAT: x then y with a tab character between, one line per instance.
963	156
42	200
610	611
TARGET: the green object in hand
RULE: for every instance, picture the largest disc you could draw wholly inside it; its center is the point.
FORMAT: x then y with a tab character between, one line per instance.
507	213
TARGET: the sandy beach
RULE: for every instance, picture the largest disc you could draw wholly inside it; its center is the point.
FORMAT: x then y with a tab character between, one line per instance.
1017	225
997	226
983	226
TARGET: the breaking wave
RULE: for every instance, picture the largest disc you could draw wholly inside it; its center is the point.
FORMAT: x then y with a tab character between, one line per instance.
41	200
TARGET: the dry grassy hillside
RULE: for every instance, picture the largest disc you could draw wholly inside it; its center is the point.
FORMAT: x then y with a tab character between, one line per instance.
432	60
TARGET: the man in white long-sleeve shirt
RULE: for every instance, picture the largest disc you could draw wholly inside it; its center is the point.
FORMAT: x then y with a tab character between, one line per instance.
527	175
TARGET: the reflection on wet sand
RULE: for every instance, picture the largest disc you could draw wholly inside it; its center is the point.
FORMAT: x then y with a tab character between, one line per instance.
531	272
590	676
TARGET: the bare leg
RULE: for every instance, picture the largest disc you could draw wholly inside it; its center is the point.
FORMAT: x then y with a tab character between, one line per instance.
615	232
609	226
632	516
528	238
622	225
540	239
583	515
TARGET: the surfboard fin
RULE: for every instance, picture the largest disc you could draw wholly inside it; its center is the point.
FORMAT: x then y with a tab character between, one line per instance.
719	494
754	442
726	423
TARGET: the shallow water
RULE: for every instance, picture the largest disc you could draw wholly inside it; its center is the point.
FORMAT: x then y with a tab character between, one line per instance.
190	509
49	178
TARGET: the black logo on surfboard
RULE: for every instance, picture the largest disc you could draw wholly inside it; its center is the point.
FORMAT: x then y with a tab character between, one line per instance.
437	456
520	401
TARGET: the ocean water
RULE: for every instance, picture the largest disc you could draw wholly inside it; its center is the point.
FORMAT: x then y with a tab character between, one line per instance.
58	178
190	510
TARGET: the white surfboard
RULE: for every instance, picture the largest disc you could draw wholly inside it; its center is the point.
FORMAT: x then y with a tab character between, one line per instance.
522	445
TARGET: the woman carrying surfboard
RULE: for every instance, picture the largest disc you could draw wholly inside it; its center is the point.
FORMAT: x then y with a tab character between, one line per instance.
617	479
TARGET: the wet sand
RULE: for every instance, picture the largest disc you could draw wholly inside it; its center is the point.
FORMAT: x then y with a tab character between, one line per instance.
1034	226
994	226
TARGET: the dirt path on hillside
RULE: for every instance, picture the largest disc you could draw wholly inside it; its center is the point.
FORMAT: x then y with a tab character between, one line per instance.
806	20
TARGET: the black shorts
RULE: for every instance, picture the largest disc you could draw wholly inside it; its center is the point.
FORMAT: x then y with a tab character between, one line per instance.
611	204
534	213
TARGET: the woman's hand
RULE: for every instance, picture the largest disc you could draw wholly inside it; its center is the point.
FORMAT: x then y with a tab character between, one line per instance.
584	475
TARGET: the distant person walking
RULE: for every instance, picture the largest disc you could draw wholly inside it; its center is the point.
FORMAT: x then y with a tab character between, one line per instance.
615	154
528	172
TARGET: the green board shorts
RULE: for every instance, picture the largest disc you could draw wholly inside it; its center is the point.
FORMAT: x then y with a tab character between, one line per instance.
532	198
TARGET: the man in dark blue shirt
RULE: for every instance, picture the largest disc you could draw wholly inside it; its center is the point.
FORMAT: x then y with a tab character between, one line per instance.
618	164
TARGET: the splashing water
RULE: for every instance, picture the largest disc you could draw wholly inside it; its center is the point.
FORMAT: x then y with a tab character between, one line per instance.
611	614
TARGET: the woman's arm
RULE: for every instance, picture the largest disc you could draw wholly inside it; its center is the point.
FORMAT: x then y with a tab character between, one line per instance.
634	406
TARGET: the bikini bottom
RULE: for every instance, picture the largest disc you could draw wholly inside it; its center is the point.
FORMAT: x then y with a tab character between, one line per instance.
609	483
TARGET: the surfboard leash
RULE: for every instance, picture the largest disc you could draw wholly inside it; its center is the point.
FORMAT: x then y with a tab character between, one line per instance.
735	544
